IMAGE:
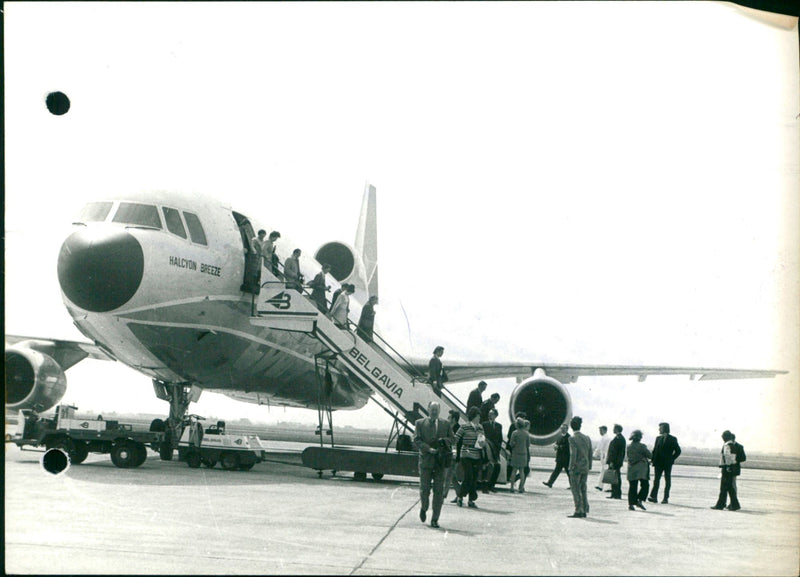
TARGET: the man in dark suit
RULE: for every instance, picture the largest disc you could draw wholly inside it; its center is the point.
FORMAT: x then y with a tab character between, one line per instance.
665	451
562	456
475	398
432	464
615	459
580	463
494	438
488	405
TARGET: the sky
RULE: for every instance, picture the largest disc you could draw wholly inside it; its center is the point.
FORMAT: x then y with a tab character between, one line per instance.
607	183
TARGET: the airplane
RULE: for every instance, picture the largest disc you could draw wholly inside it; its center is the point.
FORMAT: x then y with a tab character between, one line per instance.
164	282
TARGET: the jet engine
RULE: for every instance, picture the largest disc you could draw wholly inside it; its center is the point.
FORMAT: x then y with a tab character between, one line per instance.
346	264
547	404
34	380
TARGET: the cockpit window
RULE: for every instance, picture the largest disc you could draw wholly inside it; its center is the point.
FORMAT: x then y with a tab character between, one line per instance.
195	228
95	212
174	223
138	214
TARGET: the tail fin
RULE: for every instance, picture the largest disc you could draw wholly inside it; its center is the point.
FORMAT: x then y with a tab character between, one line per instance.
367	239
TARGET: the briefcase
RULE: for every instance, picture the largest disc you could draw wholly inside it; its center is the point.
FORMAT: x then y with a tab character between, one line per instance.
610	476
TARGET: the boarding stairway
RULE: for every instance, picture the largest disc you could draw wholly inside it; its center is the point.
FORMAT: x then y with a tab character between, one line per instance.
404	392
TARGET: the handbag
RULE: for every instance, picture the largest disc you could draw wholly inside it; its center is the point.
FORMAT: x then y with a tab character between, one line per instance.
480	442
609	476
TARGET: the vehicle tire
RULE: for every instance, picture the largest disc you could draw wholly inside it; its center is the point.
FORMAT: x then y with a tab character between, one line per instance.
142	454
165	451
377	476
359	476
210	463
80	453
246	466
124	455
230	461
193	459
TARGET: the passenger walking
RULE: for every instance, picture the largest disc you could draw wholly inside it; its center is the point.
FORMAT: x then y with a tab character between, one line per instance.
615	459
319	286
258	245
452	476
562	456
336	294
291	271
580	463
638	471
433	438
366	322
475	398
270	258
601	453
730	459
470	439
436	373
340	310
511	428
494	440
488	405
520	445
665	451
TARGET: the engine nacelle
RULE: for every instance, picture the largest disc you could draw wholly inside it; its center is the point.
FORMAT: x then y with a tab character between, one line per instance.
547	404
34	380
346	264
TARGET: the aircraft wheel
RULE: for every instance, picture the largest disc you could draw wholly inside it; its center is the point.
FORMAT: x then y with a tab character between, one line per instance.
165	451
124	455
359	476
230	461
141	456
319	474
377	476
157	426
80	453
193	459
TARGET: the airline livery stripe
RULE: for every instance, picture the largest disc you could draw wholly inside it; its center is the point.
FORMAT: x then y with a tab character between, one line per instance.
268	313
233	298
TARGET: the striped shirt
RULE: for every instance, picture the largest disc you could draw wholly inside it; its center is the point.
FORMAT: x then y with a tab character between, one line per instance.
467	434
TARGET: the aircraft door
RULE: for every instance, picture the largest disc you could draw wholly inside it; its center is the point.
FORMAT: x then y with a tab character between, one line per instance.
252	265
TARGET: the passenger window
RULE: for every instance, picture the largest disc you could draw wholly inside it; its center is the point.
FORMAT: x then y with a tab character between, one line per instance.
138	214
95	212
174	223
195	228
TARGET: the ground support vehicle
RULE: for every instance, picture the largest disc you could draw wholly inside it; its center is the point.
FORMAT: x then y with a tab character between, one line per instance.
232	452
79	437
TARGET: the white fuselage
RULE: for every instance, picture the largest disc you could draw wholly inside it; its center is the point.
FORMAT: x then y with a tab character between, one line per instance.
185	317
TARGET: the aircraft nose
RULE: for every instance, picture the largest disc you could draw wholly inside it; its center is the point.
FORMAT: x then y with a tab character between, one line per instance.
99	269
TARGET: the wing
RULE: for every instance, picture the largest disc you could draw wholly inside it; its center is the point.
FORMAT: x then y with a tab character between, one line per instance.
65	353
567	373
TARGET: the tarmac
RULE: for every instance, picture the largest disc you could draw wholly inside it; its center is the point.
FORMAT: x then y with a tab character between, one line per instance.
281	518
